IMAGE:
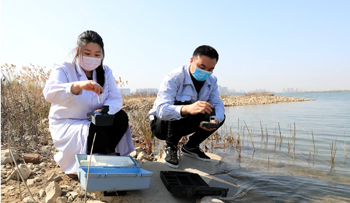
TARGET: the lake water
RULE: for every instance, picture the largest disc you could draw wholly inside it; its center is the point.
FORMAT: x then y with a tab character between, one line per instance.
268	170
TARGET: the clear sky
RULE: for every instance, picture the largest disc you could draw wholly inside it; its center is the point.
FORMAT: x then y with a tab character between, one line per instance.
270	44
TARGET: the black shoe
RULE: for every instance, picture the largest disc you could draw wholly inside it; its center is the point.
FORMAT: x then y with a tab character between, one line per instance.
195	153
171	157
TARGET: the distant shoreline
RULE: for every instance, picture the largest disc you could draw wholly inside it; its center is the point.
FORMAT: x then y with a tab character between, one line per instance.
329	91
131	103
259	100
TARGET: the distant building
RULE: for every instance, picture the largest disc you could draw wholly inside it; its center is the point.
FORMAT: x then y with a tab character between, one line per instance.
125	91
291	89
223	90
146	91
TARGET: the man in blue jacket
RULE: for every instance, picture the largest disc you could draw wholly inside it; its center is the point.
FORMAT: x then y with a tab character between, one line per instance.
187	96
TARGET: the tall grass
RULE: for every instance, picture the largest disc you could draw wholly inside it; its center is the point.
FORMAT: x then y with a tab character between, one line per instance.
23	107
24	110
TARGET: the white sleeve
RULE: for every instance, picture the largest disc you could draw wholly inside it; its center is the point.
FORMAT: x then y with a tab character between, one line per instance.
57	89
114	99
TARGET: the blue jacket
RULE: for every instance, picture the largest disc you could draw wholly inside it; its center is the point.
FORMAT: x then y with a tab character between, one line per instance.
177	85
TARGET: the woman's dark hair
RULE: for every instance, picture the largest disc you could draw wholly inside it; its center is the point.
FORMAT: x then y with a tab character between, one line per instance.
206	51
87	37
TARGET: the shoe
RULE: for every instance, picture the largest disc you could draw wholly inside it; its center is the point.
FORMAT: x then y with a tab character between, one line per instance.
171	157
195	153
73	176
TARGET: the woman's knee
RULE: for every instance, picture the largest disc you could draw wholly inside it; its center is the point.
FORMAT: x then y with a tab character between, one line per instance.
121	115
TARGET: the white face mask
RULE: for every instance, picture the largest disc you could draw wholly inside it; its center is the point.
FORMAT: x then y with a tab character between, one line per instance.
89	63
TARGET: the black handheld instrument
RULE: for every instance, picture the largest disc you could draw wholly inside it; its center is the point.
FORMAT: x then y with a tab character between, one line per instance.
207	124
101	118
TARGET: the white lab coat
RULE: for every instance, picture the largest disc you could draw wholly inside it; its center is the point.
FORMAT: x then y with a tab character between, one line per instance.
69	125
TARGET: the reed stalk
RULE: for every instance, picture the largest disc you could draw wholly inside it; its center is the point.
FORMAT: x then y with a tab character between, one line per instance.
333	152
294	141
267	135
250	137
290	138
313	141
275	138
279	129
346	155
262	131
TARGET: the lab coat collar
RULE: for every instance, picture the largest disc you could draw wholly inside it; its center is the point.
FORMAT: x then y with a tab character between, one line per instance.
188	79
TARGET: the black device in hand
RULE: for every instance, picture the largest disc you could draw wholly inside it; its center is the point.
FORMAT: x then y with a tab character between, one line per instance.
212	113
207	124
101	118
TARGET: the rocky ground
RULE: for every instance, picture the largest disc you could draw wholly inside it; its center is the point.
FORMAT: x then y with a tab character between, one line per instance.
48	183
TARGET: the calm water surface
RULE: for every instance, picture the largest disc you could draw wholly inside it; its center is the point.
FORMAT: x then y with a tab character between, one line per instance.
271	172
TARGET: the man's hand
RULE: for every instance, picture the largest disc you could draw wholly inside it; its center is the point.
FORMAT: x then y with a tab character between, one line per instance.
214	120
196	108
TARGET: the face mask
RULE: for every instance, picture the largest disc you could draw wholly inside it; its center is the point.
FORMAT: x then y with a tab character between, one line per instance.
89	63
201	75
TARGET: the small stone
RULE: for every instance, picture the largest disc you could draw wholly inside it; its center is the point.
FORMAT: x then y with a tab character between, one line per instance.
133	154
38	179
54	177
30	165
46	151
53	191
8	188
138	149
30	200
208	199
66	187
61	200
142	155
43	164
81	193
73	194
30	182
36	169
42	193
31	158
25	171
6	156
33	144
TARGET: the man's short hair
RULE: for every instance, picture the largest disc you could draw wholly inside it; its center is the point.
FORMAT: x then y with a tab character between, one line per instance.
206	50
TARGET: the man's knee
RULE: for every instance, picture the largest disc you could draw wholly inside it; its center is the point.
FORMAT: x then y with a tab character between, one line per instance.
158	129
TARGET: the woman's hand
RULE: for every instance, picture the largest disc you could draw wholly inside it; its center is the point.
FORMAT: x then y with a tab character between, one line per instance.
88	85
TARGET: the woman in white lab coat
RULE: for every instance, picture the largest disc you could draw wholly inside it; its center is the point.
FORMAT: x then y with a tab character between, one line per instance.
75	89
